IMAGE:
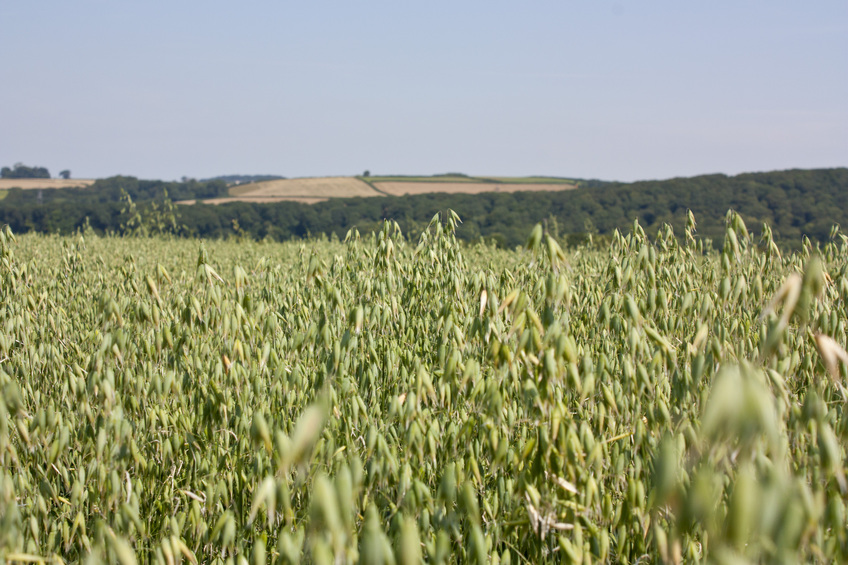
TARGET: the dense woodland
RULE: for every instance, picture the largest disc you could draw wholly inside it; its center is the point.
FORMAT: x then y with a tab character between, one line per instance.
795	203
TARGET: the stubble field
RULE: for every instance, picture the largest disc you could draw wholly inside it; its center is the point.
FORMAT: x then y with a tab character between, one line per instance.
319	187
33	184
312	190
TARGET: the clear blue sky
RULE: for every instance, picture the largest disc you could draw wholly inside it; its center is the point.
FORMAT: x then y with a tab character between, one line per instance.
619	90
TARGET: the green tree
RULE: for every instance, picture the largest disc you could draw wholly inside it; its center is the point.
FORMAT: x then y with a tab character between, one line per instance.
21	171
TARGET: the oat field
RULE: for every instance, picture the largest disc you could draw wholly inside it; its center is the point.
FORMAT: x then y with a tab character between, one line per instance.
404	400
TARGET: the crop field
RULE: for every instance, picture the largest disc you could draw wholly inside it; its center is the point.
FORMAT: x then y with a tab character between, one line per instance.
322	187
403	400
312	190
396	188
31	184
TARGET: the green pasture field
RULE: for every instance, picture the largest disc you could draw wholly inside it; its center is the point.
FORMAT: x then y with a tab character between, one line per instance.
395	400
469	179
530	180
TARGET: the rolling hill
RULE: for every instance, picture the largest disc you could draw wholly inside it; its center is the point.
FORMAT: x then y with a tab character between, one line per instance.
319	189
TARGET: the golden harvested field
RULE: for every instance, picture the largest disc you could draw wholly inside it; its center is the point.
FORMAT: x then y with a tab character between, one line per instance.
321	187
30	184
257	199
318	189
401	188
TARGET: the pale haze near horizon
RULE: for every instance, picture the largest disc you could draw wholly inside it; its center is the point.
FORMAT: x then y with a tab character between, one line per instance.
609	90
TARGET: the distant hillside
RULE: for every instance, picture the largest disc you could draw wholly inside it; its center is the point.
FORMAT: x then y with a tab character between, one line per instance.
318	189
794	203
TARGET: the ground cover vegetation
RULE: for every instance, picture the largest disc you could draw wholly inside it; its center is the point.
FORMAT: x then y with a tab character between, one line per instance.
381	400
794	203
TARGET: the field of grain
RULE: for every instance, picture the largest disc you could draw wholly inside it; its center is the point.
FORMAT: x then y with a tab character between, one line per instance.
319	187
418	400
402	188
31	184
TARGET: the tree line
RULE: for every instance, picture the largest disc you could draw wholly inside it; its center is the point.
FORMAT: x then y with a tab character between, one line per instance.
21	171
795	203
